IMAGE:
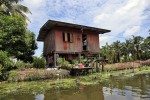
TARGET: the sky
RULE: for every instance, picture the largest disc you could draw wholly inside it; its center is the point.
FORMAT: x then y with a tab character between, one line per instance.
123	17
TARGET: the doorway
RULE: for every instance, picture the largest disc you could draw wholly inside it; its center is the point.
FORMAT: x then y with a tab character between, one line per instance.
84	42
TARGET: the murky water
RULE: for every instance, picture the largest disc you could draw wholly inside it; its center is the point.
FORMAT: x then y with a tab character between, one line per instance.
134	88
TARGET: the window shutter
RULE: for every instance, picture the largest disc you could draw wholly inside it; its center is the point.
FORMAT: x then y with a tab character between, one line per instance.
66	39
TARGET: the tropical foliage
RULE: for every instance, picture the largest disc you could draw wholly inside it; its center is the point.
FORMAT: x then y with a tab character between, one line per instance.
5	64
13	8
39	62
16	39
135	48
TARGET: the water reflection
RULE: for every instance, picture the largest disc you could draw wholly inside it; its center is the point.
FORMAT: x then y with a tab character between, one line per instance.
134	88
88	93
39	97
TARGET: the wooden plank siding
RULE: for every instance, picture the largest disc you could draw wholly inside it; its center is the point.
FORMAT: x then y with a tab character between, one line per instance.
75	46
93	42
49	43
54	41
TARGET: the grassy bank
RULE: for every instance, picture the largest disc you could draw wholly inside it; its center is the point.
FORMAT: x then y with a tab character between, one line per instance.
41	86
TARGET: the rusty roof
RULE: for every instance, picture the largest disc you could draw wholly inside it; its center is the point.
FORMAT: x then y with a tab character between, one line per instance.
51	23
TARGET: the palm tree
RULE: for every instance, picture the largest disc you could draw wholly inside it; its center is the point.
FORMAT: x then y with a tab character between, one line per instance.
116	48
146	48
137	41
127	49
12	8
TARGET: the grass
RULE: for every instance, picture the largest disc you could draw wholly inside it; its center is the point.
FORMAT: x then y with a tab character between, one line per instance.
41	86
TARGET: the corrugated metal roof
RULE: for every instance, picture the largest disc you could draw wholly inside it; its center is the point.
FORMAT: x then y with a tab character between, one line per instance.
51	23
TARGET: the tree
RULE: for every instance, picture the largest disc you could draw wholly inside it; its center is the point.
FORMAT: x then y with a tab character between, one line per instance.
12	8
30	47
116	48
137	41
15	39
146	48
135	48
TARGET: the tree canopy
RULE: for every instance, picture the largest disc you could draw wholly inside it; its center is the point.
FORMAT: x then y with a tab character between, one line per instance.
16	39
135	48
13	8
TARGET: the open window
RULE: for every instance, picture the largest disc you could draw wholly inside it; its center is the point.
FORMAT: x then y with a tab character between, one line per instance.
84	42
67	37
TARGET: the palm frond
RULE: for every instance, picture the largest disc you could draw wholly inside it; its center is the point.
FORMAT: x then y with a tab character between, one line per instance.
23	15
22	8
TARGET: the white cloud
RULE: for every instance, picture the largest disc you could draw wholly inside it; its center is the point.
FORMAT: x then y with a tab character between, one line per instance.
104	39
129	14
120	16
132	31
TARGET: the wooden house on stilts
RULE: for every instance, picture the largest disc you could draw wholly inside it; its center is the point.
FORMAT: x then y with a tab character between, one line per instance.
68	40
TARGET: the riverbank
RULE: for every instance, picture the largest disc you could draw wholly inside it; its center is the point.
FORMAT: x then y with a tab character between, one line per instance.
41	86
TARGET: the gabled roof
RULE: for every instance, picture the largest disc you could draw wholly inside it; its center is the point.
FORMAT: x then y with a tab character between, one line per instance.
51	23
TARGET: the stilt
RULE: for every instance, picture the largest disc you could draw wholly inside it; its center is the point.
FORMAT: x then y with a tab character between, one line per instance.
97	68
54	60
48	60
79	56
102	66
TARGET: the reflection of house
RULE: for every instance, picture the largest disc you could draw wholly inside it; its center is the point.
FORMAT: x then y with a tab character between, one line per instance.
69	40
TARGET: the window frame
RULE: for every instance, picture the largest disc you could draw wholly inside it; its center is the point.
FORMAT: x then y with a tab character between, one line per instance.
67	37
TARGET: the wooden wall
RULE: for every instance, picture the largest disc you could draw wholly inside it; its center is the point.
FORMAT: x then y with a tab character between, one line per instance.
68	47
93	42
54	41
49	43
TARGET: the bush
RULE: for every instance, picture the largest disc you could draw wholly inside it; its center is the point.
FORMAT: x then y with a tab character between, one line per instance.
83	60
0	69
5	61
75	61
28	65
5	65
13	76
39	62
65	63
20	65
32	76
60	61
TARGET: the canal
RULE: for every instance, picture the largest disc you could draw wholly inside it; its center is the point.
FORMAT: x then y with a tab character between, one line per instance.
136	87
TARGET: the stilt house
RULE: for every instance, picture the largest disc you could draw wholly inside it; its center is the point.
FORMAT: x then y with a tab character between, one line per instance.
68	40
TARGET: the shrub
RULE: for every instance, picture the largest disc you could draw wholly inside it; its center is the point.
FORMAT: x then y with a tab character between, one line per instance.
20	65
39	62
33	76
83	60
0	69
75	61
28	65
6	65
65	63
5	61
60	61
13	76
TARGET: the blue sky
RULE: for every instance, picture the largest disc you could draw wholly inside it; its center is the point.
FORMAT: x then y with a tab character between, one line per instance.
123	17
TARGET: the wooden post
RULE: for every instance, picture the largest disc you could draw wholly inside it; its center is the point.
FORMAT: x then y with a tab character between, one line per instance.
54	60
79	56
48	60
97	69
102	66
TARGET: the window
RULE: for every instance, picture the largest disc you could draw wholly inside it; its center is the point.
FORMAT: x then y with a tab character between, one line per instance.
67	37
